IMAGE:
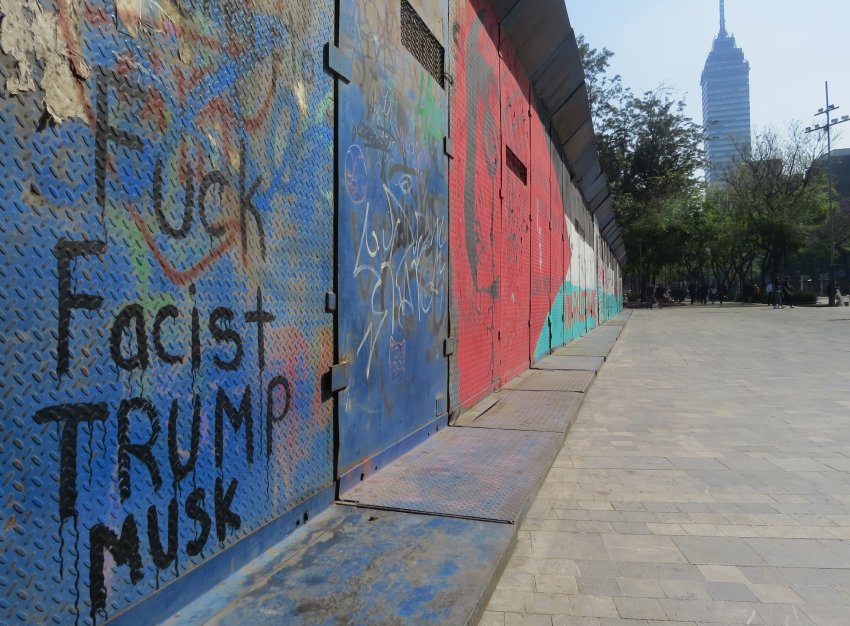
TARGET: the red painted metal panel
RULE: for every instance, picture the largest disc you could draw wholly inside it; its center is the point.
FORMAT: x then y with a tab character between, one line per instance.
475	181
515	280
542	296
559	246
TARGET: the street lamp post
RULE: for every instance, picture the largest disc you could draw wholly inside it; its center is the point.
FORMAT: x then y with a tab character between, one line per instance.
830	122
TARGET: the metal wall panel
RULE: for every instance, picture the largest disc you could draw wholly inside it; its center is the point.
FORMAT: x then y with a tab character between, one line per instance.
515	257
542	296
393	246
476	174
560	253
164	253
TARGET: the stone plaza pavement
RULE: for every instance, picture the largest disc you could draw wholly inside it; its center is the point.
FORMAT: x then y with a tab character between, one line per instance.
706	480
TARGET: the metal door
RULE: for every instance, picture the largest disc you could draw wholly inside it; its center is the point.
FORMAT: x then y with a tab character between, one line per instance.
475	204
514	301
541	244
392	278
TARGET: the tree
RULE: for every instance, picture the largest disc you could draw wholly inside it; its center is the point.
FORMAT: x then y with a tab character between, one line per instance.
778	195
650	152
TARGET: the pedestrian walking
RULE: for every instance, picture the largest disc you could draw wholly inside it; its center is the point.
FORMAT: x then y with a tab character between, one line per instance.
787	289
777	293
649	295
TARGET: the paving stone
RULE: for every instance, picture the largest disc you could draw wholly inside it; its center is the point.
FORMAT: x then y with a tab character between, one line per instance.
639	588
684	590
643	549
587	546
525	619
553	583
733	592
718	550
593	606
706	611
597	586
639	608
707	473
793	615
492	618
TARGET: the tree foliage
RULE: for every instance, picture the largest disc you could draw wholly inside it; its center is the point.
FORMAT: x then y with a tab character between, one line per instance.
779	196
770	207
650	152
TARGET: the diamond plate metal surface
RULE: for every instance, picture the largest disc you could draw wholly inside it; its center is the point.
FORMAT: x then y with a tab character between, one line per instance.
555	362
542	292
475	177
164	253
393	267
514	228
544	411
571	380
376	568
464	472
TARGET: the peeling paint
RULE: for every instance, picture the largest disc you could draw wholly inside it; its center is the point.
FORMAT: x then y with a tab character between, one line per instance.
35	40
146	15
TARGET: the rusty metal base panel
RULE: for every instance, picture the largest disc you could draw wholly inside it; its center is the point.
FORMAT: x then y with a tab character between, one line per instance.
474	473
355	566
542	411
555	362
553	380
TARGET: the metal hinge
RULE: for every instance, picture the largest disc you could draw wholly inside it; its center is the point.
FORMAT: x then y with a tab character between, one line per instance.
449	346
448	147
338	63
330	301
340	376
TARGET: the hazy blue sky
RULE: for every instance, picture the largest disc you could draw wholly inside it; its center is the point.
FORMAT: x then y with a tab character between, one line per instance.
792	46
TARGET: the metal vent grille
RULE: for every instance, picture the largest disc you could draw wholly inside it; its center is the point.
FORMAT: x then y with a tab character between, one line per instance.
421	43
516	166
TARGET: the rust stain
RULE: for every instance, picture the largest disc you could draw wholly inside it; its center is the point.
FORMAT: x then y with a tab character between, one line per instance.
11	524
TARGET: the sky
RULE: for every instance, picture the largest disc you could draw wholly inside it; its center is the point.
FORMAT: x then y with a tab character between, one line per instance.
792	46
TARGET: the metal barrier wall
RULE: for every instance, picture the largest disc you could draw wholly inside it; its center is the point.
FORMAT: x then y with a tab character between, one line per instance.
526	255
166	187
393	226
176	238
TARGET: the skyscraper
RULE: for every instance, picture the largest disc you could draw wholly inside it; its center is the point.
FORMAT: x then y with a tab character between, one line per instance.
725	102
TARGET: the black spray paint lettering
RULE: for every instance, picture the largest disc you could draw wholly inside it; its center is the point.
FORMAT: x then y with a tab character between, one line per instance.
125	547
69	300
106	134
137	340
70	416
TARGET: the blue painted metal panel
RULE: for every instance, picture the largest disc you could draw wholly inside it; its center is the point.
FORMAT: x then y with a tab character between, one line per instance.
393	235
479	473
377	567
164	255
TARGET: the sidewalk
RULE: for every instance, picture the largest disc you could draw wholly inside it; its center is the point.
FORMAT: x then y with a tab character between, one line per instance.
422	541
706	480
